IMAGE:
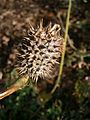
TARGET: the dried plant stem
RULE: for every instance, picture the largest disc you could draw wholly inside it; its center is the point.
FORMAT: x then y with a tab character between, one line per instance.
63	29
64	49
18	85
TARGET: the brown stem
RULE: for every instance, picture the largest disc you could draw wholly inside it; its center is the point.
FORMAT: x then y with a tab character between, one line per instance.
15	87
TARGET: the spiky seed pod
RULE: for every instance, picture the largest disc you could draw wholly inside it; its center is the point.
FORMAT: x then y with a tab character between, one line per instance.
40	52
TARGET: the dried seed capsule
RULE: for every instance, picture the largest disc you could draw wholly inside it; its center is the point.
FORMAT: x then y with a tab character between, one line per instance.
43	47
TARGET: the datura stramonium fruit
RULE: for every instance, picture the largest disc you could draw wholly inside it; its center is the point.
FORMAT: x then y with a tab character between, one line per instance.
40	51
38	56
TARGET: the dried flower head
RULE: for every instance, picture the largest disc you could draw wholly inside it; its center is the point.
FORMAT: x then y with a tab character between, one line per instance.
40	51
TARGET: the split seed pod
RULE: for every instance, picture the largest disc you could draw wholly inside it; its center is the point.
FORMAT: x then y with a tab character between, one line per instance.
38	56
40	51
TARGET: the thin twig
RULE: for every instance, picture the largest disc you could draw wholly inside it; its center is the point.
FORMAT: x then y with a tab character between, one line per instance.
63	29
64	49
